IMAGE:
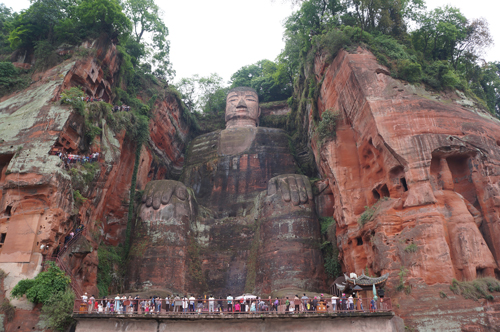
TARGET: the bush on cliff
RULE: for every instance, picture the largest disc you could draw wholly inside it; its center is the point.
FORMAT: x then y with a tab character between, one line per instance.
50	288
41	288
56	312
476	289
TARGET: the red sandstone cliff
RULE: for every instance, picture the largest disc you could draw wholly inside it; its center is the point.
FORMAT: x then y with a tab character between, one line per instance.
36	192
428	166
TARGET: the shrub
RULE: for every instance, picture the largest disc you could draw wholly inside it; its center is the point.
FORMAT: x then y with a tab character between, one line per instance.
476	289
401	285
411	248
327	126
367	215
39	289
56	312
73	97
326	224
78	198
409	70
109	258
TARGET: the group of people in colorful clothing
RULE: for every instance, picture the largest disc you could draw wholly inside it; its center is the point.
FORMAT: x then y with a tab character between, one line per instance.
177	304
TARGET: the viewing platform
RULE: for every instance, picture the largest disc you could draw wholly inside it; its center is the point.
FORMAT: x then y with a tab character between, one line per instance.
380	318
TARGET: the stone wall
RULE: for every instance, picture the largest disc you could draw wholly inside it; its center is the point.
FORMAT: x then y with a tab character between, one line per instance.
386	323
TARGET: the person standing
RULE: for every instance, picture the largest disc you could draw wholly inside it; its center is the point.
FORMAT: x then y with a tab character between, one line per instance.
219	305
276	304
91	303
211	301
287	305
185	304
158	305
334	303
167	303
229	303
304	302
351	302
117	303
177	303
191	303
296	301
136	303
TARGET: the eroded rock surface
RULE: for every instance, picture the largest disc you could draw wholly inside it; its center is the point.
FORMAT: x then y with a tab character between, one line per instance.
426	166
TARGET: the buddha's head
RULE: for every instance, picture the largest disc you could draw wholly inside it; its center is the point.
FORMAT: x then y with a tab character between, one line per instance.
242	108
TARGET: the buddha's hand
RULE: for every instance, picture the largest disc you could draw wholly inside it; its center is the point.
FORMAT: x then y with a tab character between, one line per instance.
293	187
161	192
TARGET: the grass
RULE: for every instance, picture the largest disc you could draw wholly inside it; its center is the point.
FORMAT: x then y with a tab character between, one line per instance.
411	248
367	215
476	289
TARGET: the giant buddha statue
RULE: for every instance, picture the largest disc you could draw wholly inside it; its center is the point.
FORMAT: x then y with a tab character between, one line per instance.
240	219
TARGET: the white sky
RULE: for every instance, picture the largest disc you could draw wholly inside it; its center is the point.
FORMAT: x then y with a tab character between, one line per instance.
221	36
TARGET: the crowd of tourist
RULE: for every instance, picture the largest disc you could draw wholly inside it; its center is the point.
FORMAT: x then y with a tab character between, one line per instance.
191	304
75	158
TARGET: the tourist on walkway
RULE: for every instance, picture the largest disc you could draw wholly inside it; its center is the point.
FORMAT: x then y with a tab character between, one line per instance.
252	308
351	302
237	307
296	301
315	303
211	302
229	303
117	303
343	302
287	305
304	302
191	303
334	303
177	303
219	305
275	304
158	305
167	304
185	304
136	303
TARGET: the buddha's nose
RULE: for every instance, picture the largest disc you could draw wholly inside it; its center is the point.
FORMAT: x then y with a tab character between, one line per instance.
241	103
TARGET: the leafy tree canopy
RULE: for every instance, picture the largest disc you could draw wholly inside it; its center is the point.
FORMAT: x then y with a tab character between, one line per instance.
270	80
43	286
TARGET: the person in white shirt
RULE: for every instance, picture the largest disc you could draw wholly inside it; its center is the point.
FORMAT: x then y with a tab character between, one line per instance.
211	301
191	303
185	304
117	303
334	303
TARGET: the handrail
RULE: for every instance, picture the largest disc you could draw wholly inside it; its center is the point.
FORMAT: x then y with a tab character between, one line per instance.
222	306
70	242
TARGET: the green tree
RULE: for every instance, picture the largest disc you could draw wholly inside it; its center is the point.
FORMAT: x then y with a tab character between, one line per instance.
6	19
269	80
439	32
57	310
146	20
41	288
37	23
203	94
103	16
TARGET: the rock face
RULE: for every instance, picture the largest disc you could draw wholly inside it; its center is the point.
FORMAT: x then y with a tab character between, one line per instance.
426	167
36	197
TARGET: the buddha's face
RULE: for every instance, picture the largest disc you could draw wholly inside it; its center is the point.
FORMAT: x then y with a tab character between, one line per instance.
242	108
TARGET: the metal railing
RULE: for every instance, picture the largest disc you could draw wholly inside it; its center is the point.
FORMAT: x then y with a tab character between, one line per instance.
224	306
